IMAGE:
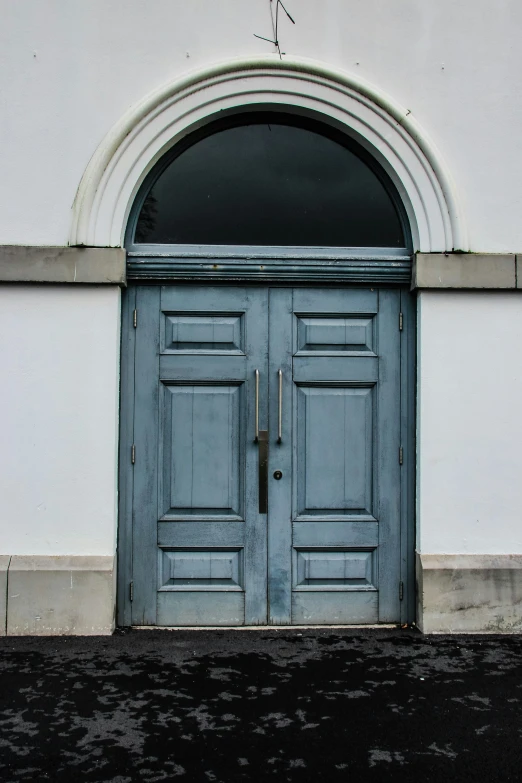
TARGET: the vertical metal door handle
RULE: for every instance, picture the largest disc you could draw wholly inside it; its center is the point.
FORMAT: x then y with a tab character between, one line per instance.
263	471
280	408
256	408
261	438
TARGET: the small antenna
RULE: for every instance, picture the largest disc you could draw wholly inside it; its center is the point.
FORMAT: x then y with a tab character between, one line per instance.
275	26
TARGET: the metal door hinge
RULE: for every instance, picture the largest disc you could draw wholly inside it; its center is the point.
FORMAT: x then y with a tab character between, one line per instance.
131	590
401	456
400	322
401	590
135	318
133	454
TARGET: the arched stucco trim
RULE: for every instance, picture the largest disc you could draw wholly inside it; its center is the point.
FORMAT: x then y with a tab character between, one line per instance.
151	127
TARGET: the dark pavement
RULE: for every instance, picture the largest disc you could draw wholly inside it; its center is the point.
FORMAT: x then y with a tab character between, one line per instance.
292	705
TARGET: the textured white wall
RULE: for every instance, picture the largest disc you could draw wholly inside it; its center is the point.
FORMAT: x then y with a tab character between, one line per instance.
470	423
59	354
70	69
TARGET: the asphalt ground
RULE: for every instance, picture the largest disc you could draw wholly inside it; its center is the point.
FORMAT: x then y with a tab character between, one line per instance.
288	705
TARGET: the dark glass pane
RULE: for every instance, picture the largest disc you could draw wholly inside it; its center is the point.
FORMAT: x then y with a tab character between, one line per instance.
269	184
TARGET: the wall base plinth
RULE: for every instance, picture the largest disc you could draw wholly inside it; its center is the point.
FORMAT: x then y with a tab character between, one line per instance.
4	565
74	595
60	596
469	593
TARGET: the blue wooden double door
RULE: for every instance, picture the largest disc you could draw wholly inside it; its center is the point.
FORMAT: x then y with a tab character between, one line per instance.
266	479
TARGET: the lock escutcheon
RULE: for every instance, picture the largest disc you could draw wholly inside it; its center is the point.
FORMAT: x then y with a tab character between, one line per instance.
278	475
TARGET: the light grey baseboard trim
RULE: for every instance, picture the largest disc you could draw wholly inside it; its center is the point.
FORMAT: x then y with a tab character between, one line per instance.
469	593
466	270
31	264
60	595
4	566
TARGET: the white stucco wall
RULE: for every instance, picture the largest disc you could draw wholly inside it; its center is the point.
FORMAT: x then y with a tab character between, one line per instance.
470	423
70	69
59	354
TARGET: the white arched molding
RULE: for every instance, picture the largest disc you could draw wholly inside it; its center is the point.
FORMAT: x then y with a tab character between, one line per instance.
389	131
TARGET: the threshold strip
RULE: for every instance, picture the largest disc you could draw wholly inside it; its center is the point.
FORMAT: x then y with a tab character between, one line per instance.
262	627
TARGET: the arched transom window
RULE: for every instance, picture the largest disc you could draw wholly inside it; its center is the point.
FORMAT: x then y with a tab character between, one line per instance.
269	179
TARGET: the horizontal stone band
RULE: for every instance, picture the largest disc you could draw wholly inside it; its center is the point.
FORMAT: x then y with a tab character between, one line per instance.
107	265
467	270
91	265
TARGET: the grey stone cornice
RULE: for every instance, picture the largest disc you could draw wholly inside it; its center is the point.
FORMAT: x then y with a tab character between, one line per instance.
107	265
467	271
40	264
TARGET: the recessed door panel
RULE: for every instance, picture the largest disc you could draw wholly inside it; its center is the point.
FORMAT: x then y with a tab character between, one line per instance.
195	569
201	450
346	335
334	569
334	451
202	333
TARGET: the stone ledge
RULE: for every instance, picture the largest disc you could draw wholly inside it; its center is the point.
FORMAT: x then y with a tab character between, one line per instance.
519	271
31	264
469	593
465	270
60	595
4	566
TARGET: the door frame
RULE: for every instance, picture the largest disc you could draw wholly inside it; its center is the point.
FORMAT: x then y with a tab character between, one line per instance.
126	440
